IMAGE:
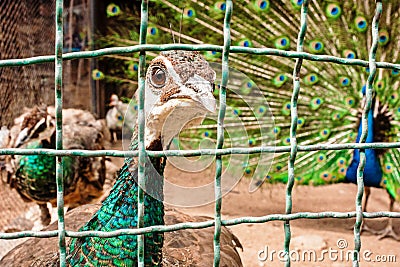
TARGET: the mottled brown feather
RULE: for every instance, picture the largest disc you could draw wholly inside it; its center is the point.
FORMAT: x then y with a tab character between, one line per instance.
181	248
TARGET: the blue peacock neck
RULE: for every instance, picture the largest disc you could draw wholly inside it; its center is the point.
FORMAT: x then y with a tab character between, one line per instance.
372	170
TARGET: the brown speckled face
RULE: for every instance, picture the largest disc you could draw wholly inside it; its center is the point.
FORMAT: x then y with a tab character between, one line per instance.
188	63
172	70
179	87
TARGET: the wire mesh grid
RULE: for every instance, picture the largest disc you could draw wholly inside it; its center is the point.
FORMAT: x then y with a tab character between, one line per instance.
299	55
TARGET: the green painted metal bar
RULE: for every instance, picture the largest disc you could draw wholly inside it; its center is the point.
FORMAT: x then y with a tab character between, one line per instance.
205	224
195	152
293	129
141	126
142	153
59	142
364	133
220	131
233	49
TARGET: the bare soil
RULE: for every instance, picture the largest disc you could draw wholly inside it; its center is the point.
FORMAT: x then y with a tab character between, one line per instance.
309	236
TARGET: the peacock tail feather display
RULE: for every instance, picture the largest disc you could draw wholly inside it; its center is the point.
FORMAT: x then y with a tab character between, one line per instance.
331	96
33	176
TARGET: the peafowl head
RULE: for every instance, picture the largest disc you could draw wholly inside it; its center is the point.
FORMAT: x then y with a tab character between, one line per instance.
114	100
179	93
32	124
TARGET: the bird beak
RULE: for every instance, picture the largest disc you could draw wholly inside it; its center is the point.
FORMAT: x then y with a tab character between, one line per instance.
200	91
207	101
112	103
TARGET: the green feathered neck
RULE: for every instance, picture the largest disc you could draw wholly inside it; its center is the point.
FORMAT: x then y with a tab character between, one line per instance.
119	211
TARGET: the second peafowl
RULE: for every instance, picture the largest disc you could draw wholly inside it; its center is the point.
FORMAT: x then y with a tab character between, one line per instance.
120	118
332	96
33	176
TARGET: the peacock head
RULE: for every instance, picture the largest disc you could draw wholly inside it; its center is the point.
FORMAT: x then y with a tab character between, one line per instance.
179	93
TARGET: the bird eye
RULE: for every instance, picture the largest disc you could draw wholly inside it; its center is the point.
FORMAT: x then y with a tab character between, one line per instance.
158	77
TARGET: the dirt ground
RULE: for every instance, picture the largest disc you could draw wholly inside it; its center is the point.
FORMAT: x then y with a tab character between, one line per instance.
309	237
333	236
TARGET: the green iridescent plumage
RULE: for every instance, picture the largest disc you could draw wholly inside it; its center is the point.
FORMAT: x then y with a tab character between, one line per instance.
119	212
33	176
37	170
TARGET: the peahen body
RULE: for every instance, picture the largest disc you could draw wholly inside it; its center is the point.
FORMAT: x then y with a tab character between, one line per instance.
331	98
33	176
169	93
120	117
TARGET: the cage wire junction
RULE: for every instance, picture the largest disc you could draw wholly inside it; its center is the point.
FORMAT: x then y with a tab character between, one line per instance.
226	49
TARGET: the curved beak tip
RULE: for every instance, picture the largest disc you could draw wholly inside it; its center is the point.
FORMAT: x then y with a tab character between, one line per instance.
210	104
